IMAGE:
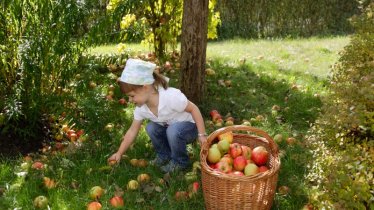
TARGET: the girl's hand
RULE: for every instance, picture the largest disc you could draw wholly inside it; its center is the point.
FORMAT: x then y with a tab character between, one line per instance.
115	157
202	140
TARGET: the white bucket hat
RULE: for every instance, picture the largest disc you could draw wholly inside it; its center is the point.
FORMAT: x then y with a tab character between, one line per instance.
138	72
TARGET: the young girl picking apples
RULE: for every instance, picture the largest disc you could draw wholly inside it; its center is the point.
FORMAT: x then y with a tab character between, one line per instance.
174	121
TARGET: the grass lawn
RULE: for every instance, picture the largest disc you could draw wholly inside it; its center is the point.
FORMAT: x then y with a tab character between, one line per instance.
258	73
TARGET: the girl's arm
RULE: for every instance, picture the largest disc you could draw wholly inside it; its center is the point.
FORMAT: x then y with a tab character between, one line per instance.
128	139
198	118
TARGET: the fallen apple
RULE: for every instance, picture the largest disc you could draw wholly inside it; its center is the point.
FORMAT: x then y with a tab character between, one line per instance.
278	138
37	165
94	205
143	178
49	183
132	185
96	192
181	195
117	202
41	202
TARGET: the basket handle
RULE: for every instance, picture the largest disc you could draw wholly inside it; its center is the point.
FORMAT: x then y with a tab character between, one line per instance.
212	136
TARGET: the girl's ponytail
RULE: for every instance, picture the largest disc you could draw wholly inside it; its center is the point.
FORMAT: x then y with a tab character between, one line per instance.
160	81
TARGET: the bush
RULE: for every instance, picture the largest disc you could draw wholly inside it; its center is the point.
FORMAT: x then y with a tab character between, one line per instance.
342	139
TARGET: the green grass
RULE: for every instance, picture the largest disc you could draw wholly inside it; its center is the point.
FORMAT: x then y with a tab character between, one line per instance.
265	79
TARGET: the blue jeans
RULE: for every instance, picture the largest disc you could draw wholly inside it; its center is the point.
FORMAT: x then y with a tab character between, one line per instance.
170	141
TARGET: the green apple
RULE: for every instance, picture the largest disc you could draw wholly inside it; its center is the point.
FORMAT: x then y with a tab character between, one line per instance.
251	169
40	202
223	146
214	155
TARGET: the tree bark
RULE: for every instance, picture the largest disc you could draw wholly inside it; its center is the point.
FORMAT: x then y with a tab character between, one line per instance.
193	49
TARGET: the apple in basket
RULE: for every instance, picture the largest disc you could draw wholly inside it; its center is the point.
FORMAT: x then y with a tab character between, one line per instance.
214	155
260	155
235	150
250	169
224	167
239	163
228	136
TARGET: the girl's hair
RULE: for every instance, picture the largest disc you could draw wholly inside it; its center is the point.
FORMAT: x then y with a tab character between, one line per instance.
159	81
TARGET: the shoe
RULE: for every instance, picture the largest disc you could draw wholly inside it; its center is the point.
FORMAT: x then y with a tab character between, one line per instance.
158	162
172	167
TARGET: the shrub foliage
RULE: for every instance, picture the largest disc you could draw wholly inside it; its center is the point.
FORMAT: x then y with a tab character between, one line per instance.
342	139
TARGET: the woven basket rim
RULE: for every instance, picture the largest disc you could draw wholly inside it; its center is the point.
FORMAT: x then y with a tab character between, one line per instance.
262	136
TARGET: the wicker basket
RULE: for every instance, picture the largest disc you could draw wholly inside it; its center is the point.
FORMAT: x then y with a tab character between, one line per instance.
223	191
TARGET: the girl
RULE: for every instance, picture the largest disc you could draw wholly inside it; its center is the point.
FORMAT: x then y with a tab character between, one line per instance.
174	121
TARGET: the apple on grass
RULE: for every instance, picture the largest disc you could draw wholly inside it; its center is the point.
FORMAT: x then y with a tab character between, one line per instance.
117	201
41	202
94	205
37	165
235	150
96	192
181	195
250	169
214	155
239	163
260	155
132	185
143	178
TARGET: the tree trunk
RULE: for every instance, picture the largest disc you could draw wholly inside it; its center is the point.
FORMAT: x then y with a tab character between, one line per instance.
193	48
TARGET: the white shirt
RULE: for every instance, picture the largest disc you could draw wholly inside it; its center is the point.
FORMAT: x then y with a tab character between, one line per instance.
171	105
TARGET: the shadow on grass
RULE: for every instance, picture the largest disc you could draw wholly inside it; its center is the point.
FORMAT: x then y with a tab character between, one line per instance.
254	91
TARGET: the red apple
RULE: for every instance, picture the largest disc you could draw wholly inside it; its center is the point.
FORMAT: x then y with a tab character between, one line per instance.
250	169
235	150
227	158
49	183
195	187
94	205
216	117
181	195
224	167
263	168
213	112
122	101
80	133
117	201
291	140
246	152
96	192
239	163
37	165
214	155
260	155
